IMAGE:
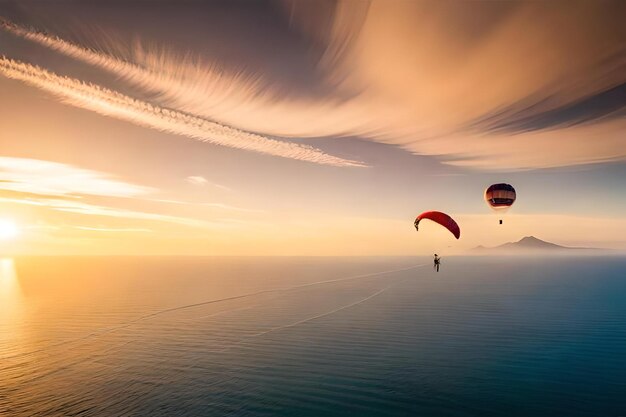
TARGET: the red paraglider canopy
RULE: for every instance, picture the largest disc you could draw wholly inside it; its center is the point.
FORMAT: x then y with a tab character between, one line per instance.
442	219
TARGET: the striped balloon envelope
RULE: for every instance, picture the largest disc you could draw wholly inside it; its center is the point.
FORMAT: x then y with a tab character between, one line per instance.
500	197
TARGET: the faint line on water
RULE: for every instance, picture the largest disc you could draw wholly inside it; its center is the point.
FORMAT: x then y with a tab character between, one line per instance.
219	313
319	316
294	287
219	300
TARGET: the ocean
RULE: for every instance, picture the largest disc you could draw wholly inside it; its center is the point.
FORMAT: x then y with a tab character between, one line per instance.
203	336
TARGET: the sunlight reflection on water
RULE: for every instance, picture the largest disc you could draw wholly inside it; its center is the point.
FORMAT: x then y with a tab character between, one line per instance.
11	309
10	290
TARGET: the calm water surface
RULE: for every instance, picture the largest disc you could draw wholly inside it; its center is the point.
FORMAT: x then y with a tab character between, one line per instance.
312	337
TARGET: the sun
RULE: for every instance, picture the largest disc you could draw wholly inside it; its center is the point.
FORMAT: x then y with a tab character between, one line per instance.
8	229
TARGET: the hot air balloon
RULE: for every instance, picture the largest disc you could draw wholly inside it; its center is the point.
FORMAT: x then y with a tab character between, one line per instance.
500	197
440	218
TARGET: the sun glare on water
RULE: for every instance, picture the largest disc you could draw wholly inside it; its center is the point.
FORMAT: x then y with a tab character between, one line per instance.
8	229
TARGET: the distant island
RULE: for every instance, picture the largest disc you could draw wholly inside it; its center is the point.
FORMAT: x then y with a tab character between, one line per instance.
528	245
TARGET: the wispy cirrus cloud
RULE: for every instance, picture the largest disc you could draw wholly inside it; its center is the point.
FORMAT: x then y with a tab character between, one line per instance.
197	180
114	104
35	176
219	206
200	181
113	229
66	188
76	207
182	82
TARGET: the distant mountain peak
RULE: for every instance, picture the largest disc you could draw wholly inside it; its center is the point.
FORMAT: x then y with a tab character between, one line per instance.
525	244
532	241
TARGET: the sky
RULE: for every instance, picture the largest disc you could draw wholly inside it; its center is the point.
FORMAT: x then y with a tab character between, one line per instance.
309	128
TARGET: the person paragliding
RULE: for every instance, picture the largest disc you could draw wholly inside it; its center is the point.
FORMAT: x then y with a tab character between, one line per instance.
500	197
437	262
444	220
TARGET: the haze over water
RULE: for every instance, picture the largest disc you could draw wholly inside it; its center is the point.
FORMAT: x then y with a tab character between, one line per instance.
112	336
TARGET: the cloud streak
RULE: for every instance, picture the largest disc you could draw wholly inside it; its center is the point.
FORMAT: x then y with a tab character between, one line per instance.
114	104
64	188
87	209
36	176
190	85
220	206
113	229
197	180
